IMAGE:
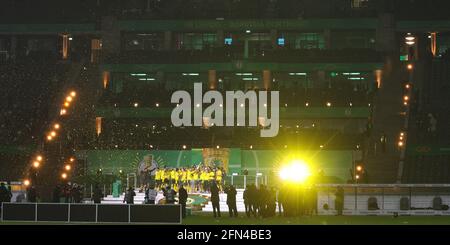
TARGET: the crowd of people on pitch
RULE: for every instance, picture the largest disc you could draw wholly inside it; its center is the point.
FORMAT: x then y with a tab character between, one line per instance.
67	193
263	201
194	179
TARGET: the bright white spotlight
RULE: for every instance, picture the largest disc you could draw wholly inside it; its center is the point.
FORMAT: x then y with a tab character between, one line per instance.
296	171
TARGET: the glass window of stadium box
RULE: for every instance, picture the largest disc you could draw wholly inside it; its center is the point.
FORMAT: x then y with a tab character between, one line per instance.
248	44
240	80
291	80
194	41
184	80
143	41
354	39
443	43
310	40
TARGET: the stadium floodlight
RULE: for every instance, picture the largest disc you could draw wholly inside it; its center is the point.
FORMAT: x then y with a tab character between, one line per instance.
410	40
297	171
26	182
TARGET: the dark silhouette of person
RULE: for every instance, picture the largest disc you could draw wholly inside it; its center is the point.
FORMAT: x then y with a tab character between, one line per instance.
76	194
56	194
215	200
247	200
170	194
150	195
339	201
5	194
129	197
271	202
231	200
281	197
182	199
32	194
97	194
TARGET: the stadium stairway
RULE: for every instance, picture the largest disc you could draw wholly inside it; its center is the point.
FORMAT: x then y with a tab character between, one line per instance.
383	167
139	199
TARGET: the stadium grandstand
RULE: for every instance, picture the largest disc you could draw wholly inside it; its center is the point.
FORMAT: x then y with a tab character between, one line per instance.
87	85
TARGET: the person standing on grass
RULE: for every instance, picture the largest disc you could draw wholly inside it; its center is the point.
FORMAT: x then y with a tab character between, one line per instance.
170	194
182	199
5	194
97	195
150	195
339	201
231	200
129	197
215	199
247	199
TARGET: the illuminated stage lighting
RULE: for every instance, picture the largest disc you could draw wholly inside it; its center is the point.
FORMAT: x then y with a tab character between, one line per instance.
297	171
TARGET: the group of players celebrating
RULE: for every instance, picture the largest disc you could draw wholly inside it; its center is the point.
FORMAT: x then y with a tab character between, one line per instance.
194	179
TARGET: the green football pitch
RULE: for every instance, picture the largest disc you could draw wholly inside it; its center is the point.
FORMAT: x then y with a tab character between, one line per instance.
207	219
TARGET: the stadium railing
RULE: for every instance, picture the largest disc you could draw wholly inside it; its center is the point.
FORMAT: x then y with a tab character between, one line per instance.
91	213
385	199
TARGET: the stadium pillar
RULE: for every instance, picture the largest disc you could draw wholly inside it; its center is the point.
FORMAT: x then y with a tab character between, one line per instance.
212	79
433	47
386	33
65	46
167	40
111	36
220	38
106	77
96	46
274	38
267	79
13	47
327	38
